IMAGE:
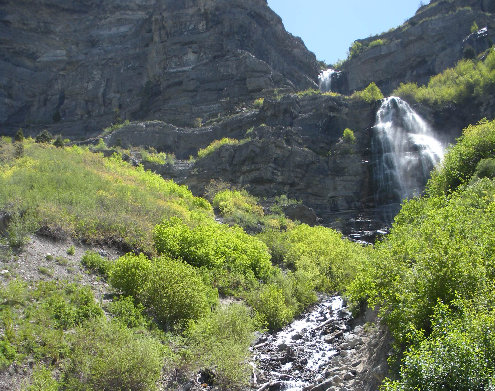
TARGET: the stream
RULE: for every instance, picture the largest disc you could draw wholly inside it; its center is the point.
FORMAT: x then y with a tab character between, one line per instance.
296	358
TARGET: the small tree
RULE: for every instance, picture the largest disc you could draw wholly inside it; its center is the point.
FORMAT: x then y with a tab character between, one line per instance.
44	137
59	142
19	136
348	136
474	27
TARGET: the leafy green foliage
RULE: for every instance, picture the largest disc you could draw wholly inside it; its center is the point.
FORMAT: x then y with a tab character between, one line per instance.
468	79
356	49
19	135
42	380
458	355
176	293
130	273
370	94
239	207
44	137
96	263
171	290
108	356
89	197
214	246
461	162
258	103
271	304
433	275
221	341
348	136
215	145
124	310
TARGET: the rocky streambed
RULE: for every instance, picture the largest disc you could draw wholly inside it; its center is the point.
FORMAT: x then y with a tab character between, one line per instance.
324	350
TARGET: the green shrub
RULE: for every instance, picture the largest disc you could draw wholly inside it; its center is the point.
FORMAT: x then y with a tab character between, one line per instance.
485	169
94	262
78	193
216	145
348	136
44	137
171	290
214	246
71	250
356	49
377	42
461	162
19	136
221	342
458	355
108	356
439	249
130	314
271	305
42	380
239	207
175	293
130	274
467	80
474	27
370	94
258	103
59	142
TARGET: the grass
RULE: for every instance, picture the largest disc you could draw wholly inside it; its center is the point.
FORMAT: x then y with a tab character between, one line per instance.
89	197
215	145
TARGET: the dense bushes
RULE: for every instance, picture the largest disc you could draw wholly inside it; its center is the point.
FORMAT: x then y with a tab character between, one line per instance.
62	324
476	143
109	356
221	341
433	275
171	290
370	94
214	246
469	78
81	194
203	152
239	207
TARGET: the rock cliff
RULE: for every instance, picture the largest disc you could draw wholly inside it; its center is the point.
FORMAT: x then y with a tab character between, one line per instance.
77	66
434	39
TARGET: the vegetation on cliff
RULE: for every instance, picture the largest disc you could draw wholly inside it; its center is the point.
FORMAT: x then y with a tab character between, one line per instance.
469	79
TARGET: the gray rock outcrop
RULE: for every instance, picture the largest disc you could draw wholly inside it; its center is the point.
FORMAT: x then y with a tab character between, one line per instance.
431	41
77	66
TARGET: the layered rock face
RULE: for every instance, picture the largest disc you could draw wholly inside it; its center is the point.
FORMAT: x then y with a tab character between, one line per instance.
77	66
291	146
434	39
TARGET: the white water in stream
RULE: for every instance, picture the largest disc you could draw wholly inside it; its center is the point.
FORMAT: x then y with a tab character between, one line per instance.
296	355
404	150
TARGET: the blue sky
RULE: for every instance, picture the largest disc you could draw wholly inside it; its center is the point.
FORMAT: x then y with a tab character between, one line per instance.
328	27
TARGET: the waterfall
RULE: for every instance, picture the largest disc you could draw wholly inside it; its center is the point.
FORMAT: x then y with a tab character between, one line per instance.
325	80
404	152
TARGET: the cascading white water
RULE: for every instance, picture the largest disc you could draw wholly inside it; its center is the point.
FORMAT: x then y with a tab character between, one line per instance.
325	80
404	153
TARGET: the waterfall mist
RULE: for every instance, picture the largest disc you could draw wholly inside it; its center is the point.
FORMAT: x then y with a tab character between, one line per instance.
404	152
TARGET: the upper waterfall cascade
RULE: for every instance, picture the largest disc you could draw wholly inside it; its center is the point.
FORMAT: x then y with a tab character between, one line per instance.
404	151
325	79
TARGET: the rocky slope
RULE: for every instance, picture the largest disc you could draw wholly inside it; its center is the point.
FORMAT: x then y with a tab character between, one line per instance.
292	146
76	66
434	39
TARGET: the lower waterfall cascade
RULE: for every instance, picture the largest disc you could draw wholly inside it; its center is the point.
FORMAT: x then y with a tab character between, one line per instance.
404	151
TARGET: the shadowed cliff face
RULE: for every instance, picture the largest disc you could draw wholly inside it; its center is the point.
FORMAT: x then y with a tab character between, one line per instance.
77	66
436	38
